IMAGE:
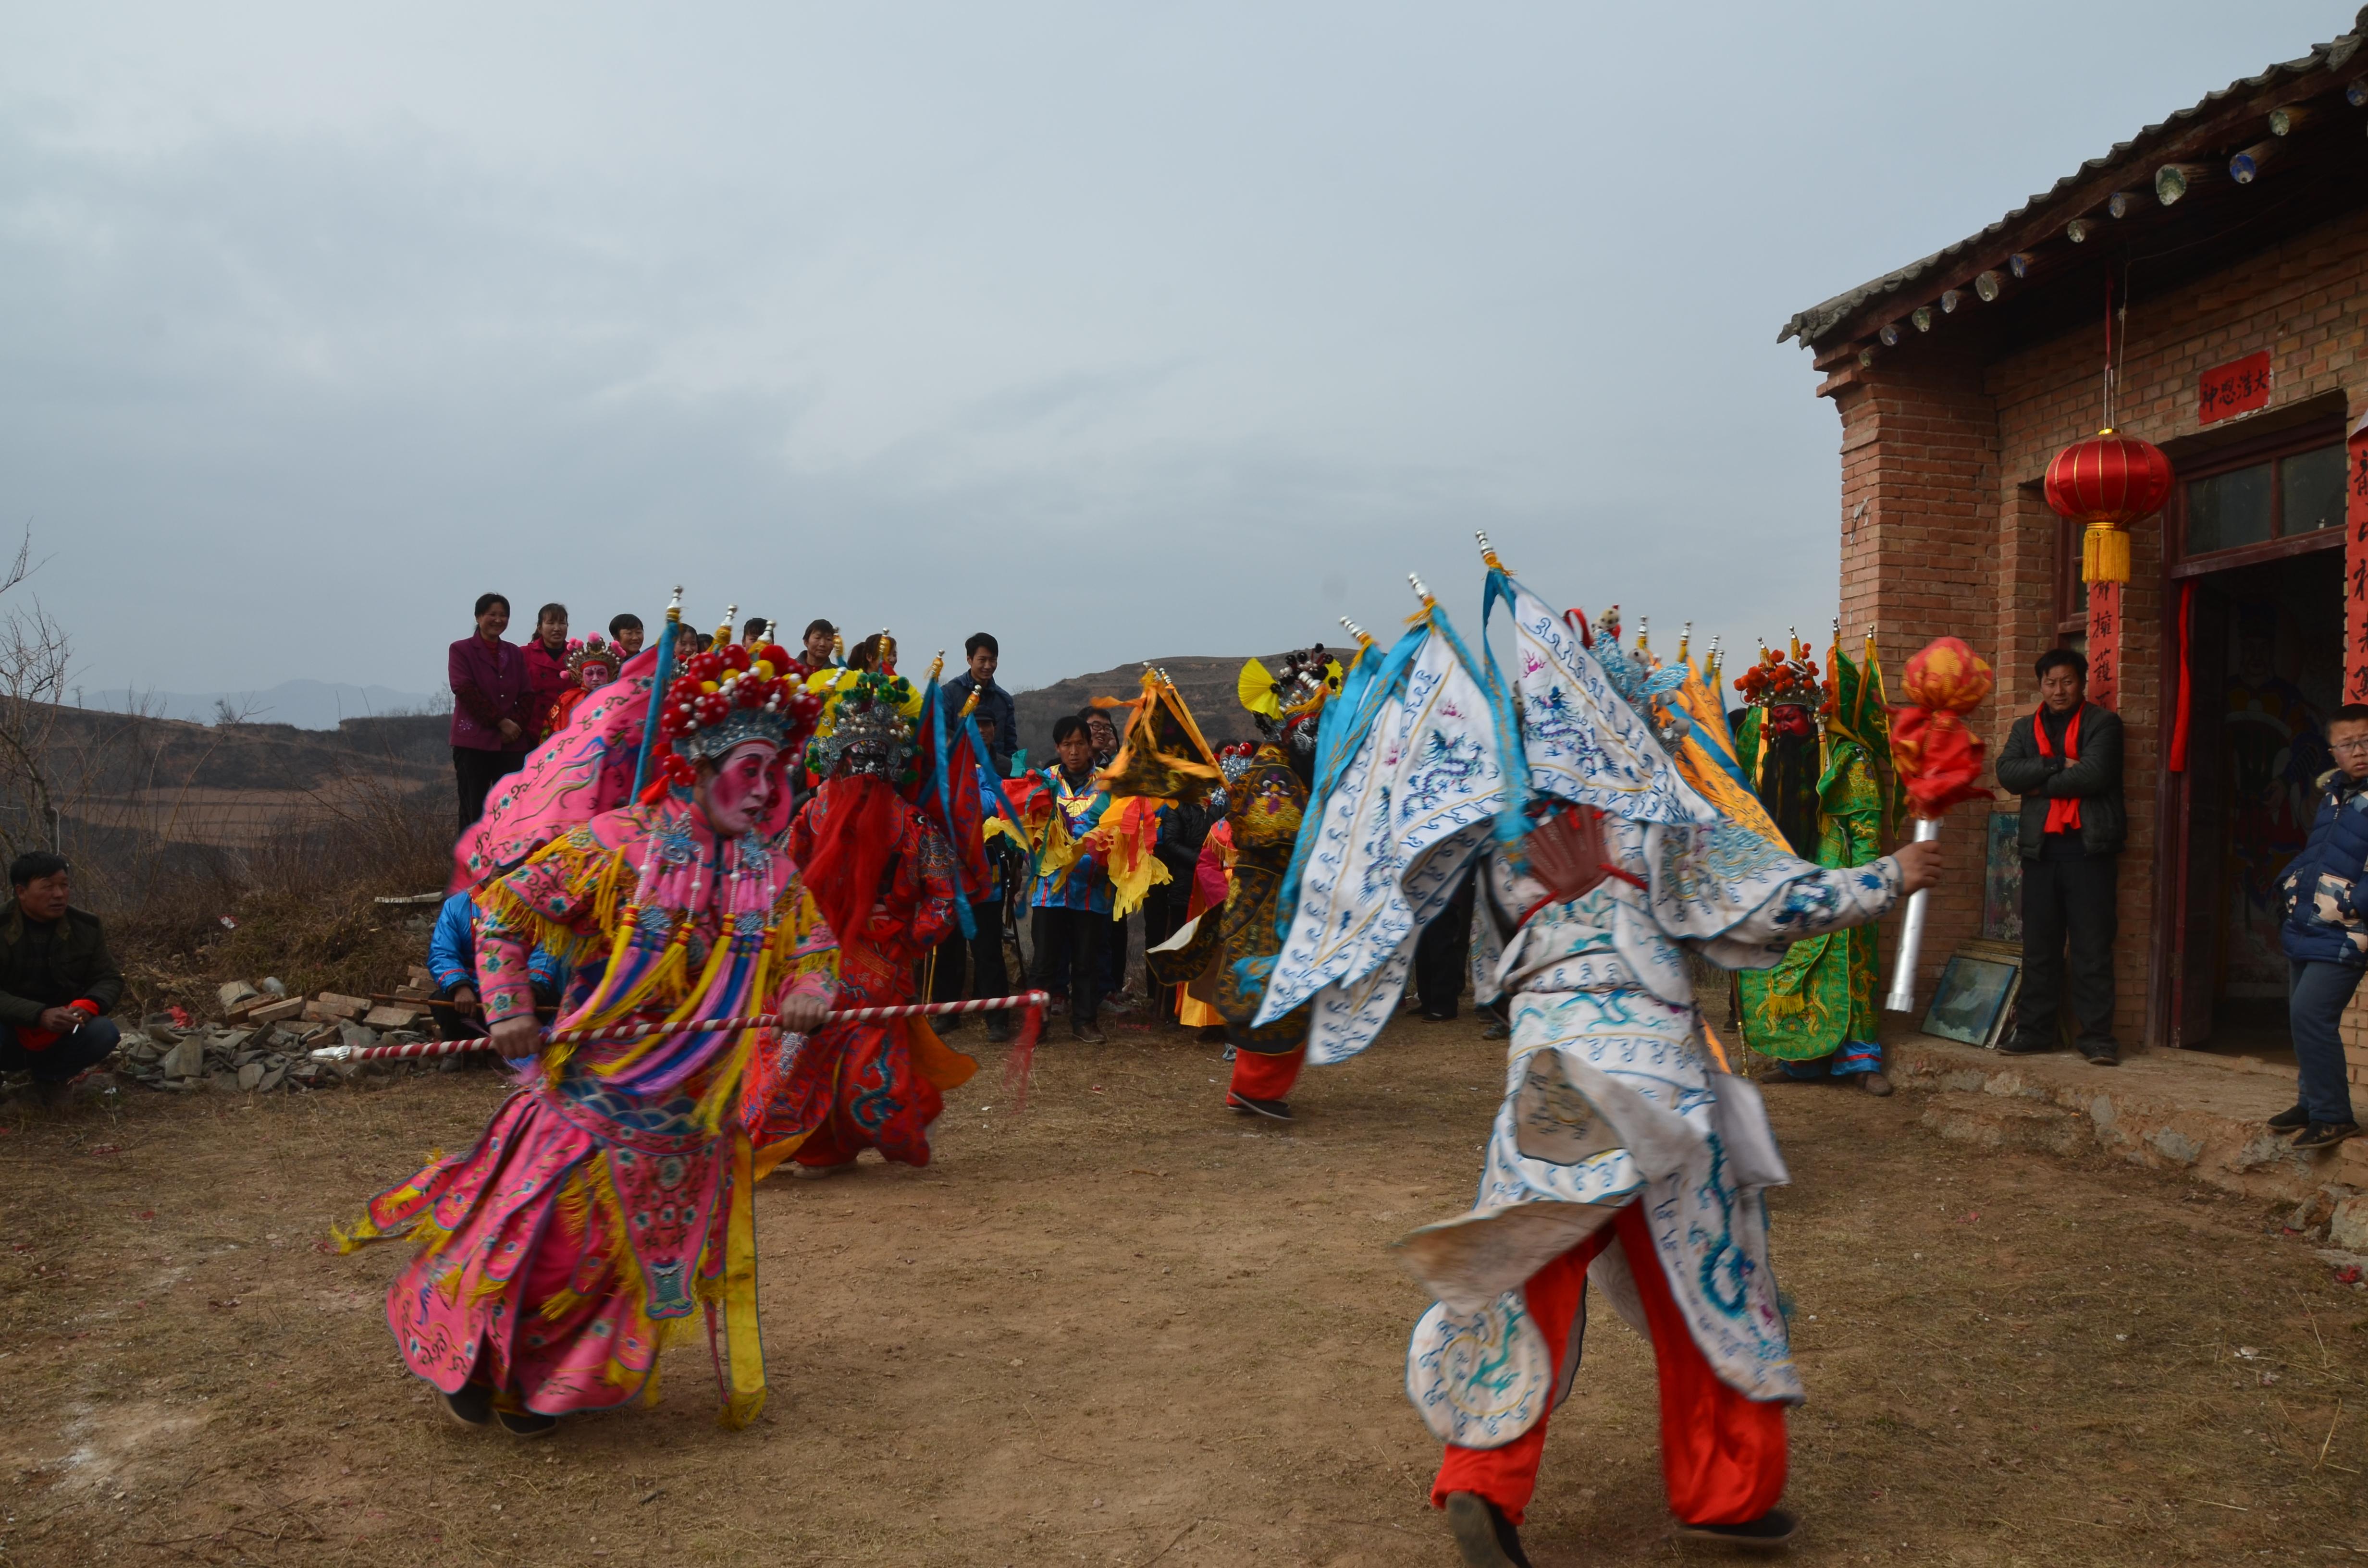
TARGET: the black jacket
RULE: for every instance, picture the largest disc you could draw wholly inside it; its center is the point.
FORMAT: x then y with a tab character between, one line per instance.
71	965
2095	776
995	700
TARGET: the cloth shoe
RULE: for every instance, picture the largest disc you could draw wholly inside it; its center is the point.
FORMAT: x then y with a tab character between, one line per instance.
526	1422
1874	1082
2293	1120
2325	1134
1484	1537
1273	1110
1766	1533
472	1407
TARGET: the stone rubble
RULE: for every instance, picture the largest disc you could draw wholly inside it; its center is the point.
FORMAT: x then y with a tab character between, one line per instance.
270	1058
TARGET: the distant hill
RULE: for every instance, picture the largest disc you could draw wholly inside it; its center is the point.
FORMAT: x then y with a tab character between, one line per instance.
232	786
1209	687
302	704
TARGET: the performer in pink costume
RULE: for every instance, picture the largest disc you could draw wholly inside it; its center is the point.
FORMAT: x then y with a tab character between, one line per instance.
610	1195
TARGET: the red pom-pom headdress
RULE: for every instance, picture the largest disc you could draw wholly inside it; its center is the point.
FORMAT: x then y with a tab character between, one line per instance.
731	695
1781	680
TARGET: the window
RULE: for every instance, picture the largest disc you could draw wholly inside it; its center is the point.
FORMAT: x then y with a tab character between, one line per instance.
2228	509
2270	498
2310	490
2071	593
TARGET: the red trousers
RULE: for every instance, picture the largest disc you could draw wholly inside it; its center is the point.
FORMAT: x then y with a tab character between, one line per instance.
1721	1455
1262	1077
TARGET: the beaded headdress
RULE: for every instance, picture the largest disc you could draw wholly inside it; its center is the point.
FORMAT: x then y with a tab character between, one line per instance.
869	732
592	650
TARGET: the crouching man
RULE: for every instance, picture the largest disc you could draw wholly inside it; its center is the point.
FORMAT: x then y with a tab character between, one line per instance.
57	982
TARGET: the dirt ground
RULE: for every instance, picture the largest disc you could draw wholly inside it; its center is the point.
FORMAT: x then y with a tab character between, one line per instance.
1127	1328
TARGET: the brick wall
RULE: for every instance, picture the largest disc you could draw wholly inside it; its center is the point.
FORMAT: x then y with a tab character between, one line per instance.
1944	530
1921	554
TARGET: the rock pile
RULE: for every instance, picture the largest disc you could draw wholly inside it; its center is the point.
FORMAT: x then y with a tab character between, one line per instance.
236	1059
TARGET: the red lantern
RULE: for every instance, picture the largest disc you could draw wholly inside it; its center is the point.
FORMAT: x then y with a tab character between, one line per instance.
2108	481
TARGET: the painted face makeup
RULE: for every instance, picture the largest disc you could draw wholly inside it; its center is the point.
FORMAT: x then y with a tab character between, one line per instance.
741	787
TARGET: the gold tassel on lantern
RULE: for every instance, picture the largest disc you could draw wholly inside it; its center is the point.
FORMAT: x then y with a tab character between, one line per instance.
2106	482
2104	554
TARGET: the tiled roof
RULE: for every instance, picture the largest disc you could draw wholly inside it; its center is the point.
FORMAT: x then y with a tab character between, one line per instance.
1813	323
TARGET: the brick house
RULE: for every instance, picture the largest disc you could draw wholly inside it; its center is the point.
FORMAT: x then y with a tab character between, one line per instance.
2233	238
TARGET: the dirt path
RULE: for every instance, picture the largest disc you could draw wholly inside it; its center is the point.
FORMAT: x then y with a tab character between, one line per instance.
1129	1329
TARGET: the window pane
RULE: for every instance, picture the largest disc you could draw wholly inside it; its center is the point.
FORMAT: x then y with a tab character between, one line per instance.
2310	489
2229	509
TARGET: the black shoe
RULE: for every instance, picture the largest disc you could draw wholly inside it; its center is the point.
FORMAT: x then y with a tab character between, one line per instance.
472	1407
1275	1110
1437	1016
2293	1121
2027	1045
2326	1134
526	1422
1766	1533
1483	1533
2101	1053
998	1031
1085	1033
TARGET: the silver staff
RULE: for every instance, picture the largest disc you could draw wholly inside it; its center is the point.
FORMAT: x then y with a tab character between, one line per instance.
1901	998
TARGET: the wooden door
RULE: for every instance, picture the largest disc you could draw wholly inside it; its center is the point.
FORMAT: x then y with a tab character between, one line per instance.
2201	831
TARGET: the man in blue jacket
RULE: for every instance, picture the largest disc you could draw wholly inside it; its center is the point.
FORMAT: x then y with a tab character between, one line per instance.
983	654
2324	892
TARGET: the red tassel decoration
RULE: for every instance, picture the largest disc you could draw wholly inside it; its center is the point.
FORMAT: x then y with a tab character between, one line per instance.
1022	1060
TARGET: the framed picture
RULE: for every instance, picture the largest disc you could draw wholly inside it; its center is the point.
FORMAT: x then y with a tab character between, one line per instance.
2002	879
1975	996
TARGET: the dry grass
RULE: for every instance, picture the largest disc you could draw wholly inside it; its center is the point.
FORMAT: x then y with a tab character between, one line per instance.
1129	1329
301	903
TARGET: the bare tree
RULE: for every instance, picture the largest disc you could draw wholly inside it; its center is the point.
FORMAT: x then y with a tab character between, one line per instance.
36	660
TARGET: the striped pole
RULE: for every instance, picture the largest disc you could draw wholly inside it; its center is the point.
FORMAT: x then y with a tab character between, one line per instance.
1032	1000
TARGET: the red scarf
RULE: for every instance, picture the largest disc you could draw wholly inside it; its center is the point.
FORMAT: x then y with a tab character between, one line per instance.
2064	810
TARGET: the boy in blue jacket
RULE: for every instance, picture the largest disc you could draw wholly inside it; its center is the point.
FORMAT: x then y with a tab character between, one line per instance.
452	961
2325	934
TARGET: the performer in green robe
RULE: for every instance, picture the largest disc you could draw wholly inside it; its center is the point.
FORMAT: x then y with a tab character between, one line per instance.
1820	757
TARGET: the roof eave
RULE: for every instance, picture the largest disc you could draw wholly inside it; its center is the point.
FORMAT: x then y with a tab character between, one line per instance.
1851	314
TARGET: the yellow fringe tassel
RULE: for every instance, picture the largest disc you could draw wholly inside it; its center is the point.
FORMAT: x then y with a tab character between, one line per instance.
2104	554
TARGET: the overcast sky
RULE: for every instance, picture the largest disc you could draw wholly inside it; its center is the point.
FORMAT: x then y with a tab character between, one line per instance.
1117	330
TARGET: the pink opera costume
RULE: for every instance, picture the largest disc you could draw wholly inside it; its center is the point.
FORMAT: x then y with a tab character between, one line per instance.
610	1195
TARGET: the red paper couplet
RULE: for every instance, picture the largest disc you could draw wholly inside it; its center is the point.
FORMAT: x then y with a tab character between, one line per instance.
2239	387
2355	566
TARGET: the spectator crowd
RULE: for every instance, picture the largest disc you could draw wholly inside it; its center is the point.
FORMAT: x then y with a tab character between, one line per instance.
508	699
